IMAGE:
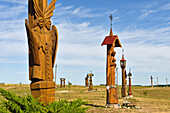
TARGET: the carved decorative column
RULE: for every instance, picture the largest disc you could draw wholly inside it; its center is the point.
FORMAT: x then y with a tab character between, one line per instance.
124	82
62	82
151	81
111	41
87	81
130	89
91	83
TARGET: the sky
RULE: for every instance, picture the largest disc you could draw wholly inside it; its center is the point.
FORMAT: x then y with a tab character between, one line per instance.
143	28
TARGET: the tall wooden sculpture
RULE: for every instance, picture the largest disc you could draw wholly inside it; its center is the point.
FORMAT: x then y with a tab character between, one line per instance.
130	87
90	81
124	81
87	81
111	41
42	41
151	81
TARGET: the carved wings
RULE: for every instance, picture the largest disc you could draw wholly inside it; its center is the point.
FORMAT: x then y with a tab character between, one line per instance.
54	36
33	44
47	13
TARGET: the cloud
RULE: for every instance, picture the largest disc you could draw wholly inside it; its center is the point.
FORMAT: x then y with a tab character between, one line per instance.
147	58
153	4
81	54
152	36
12	61
81	12
58	5
80	33
153	8
147	13
80	45
12	12
25	2
13	49
165	7
68	7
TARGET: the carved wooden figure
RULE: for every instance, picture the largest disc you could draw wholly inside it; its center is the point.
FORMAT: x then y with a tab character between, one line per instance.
42	43
111	41
62	82
87	81
91	83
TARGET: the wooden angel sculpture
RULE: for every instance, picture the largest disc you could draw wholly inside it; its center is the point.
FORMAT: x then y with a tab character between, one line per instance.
42	41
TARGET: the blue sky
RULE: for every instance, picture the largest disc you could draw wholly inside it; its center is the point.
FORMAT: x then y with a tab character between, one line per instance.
143	28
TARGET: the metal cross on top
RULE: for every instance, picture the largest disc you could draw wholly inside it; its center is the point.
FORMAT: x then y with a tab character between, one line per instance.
111	18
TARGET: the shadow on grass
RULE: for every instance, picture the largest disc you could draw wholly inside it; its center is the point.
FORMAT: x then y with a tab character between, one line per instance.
95	105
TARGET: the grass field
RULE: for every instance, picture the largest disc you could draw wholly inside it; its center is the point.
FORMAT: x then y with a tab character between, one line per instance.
156	101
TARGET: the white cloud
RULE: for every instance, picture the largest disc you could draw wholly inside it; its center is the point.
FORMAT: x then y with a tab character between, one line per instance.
12	12
16	1
76	11
80	33
81	12
165	7
153	4
153	36
147	58
13	49
58	5
147	13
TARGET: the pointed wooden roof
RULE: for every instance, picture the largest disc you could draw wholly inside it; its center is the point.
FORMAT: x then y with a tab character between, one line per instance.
112	39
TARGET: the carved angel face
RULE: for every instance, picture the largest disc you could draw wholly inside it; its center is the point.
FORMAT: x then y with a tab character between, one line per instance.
48	24
41	22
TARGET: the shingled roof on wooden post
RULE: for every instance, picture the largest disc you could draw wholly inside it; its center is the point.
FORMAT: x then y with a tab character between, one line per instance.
112	39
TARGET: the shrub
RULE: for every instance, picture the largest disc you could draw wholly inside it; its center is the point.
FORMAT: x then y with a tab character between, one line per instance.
145	92
69	85
27	104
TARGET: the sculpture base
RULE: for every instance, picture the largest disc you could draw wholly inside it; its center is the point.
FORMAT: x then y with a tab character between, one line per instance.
113	106
130	93
43	89
123	92
130	96
112	96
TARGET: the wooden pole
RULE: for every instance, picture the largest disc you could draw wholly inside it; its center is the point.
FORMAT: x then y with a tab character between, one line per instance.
55	73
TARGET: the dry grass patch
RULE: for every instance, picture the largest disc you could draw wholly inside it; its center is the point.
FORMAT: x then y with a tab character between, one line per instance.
157	100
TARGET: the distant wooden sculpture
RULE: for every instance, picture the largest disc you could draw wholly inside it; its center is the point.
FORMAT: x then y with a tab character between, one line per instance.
91	83
130	86
111	41
151	81
42	41
87	81
124	81
62	82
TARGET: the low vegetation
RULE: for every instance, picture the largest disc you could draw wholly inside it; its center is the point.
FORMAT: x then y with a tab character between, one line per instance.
27	104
